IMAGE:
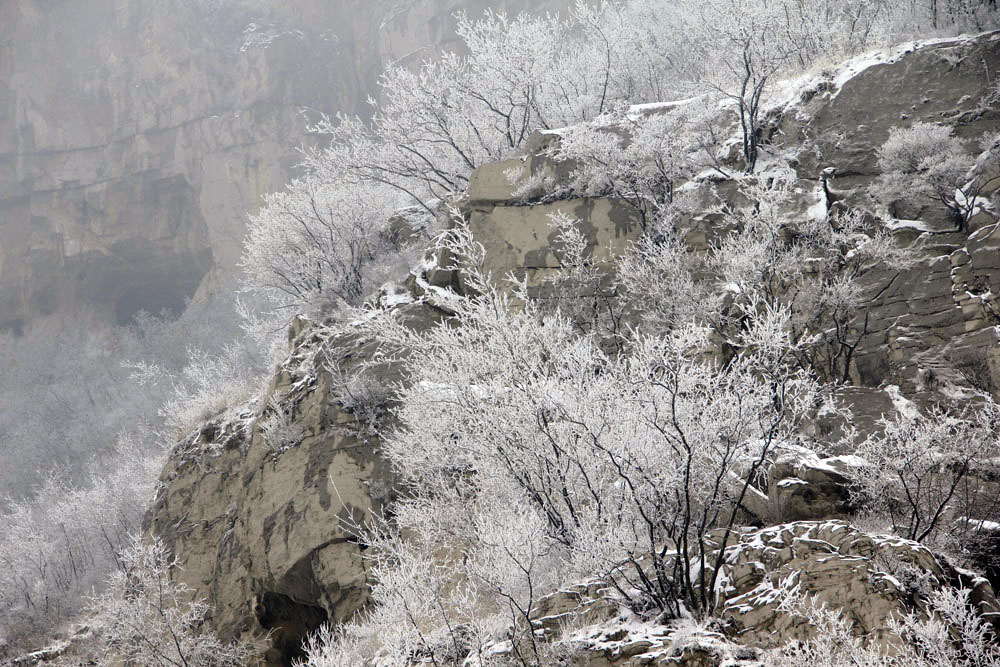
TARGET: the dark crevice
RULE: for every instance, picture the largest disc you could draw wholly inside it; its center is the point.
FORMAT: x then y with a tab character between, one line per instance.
287	623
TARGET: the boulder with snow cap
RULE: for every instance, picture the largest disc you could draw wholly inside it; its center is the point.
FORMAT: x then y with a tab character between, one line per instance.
804	486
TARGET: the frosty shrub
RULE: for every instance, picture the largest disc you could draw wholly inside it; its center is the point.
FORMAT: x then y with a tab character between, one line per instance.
278	426
62	542
580	291
361	393
951	634
144	617
925	162
657	284
207	386
814	268
641	155
932	476
320	243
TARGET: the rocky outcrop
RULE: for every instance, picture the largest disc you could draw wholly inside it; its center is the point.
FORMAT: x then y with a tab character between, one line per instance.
258	512
932	326
136	134
803	486
260	503
868	578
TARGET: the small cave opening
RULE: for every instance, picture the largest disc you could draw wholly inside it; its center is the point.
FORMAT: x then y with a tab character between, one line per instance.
287	623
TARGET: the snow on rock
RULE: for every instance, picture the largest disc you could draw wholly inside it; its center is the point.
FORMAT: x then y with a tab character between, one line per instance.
802	485
903	405
588	622
249	518
391	295
909	225
869	579
788	92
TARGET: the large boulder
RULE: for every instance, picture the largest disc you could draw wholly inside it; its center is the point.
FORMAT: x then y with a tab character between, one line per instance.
260	504
804	486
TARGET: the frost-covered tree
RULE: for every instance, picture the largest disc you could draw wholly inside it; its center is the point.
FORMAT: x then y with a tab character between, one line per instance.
145	617
435	125
530	457
321	242
59	544
740	47
641	154
926	162
928	475
952	633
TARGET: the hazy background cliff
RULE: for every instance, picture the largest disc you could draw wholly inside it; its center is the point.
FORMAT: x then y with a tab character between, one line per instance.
135	135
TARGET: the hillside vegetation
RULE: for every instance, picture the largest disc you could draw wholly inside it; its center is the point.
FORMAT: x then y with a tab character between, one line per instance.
648	335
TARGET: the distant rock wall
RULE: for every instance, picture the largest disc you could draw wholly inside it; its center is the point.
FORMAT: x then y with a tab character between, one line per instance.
135	135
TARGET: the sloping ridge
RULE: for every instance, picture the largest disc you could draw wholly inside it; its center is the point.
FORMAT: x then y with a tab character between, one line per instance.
259	526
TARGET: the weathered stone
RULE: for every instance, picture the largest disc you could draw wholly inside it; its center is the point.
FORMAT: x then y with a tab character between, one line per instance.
523	238
255	518
940	82
492	183
868	579
803	486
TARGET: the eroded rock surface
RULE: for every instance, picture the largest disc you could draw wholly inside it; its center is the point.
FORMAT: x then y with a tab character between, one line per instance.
259	504
767	573
870	578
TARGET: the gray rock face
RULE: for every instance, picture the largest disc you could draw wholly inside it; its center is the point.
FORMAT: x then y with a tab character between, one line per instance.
521	239
871	578
931	326
260	509
939	83
136	134
802	486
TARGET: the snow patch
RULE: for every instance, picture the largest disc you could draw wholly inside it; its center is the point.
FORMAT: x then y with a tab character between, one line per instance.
817	211
903	405
896	225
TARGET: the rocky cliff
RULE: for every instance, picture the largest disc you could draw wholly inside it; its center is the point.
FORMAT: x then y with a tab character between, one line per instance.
258	521
136	134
